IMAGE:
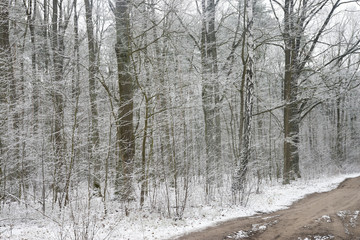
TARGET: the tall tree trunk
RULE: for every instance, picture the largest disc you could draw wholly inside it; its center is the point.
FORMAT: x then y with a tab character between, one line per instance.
165	171
14	101
75	92
212	52
289	93
248	82
287	117
292	35
95	137
147	98
124	122
210	92
45	68
6	80
57	46
31	12
163	117
296	58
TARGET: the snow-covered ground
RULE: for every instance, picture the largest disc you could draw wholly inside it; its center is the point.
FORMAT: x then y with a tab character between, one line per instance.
18	222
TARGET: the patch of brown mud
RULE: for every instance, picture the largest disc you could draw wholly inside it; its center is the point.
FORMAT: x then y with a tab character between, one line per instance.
319	216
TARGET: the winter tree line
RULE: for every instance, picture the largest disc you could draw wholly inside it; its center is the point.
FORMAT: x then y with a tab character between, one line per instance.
151	102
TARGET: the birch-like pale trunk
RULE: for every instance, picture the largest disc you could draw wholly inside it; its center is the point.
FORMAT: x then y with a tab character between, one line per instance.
247	81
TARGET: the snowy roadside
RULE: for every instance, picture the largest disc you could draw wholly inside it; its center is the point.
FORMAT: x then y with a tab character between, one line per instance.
146	225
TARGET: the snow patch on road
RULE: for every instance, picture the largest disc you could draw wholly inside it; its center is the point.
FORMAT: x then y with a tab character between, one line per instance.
324	218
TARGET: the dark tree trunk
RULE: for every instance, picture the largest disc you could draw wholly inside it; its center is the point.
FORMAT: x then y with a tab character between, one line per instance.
124	121
297	55
95	138
210	93
58	28
291	110
6	82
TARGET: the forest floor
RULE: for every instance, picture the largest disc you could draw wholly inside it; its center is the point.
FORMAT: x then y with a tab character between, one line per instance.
321	213
319	216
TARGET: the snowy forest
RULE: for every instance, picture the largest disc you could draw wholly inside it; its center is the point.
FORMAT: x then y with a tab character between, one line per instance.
127	106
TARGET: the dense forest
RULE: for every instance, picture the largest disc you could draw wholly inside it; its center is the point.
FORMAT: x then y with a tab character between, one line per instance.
147	104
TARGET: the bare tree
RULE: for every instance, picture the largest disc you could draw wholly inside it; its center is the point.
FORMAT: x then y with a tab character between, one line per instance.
247	83
210	91
59	23
124	118
298	50
95	138
7	80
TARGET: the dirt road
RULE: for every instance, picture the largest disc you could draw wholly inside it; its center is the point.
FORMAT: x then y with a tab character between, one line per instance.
319	216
